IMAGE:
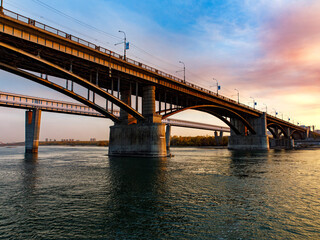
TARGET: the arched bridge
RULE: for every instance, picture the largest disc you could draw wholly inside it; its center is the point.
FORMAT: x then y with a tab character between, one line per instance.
40	53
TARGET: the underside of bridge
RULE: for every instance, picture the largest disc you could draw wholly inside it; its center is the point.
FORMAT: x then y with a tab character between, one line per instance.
144	95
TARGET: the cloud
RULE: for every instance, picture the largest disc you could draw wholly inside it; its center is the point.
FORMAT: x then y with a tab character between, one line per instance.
290	50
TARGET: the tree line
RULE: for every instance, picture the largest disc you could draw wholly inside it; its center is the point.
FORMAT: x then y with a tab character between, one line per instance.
198	141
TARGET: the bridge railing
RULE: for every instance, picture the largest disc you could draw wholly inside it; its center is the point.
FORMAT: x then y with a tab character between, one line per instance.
19	100
37	102
183	123
116	55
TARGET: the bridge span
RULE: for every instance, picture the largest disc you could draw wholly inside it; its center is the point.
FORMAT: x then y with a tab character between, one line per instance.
144	95
12	100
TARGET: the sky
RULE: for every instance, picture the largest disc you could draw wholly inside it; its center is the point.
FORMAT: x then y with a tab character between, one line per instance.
268	50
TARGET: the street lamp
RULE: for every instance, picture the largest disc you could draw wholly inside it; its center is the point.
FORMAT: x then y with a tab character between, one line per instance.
184	71
1	7
125	44
275	112
254	103
218	87
266	107
238	94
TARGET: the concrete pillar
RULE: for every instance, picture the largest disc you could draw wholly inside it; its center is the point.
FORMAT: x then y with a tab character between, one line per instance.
290	140
168	137
144	139
137	140
276	131
126	98
216	138
32	130
308	132
248	141
221	137
282	143
149	105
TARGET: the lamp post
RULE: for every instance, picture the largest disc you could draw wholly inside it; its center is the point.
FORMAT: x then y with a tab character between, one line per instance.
218	87
275	112
184	71
1	7
254	103
238	94
125	44
266	107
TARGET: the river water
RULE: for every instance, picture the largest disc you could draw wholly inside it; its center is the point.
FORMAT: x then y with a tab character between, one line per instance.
201	193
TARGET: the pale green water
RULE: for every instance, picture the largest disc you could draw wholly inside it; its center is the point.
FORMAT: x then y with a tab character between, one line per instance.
201	193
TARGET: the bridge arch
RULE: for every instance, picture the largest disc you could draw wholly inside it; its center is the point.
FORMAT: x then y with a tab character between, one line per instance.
210	109
60	89
277	126
272	132
296	132
68	75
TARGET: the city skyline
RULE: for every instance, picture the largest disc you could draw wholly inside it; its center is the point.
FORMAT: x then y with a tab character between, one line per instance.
268	53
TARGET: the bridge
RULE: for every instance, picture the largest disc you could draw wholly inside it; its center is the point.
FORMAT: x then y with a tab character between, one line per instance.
12	100
144	95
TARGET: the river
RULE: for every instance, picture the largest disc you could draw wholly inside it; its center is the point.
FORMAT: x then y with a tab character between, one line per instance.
200	193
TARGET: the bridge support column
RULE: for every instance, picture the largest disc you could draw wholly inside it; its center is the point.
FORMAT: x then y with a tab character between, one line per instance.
218	139
244	141
126	98
32	130
168	137
282	143
143	139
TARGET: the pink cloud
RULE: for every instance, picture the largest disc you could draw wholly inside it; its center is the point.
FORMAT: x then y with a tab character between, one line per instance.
290	47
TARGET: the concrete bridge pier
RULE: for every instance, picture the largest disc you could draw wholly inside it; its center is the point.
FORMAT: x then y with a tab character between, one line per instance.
32	130
280	141
217	138
143	139
246	141
168	137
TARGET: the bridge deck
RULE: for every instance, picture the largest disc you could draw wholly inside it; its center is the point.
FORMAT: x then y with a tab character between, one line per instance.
60	48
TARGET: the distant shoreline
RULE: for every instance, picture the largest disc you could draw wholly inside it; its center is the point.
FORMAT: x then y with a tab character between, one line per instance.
176	141
102	143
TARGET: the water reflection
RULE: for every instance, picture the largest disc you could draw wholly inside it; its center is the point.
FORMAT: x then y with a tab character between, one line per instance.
26	204
138	186
198	194
29	172
248	163
31	157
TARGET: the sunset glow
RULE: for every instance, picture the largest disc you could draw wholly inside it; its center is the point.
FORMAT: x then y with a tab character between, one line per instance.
267	50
